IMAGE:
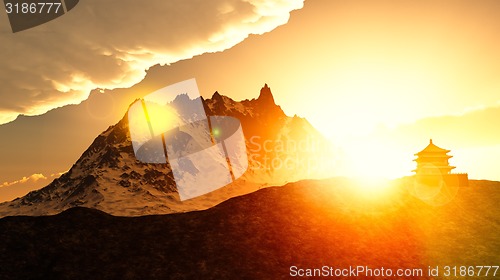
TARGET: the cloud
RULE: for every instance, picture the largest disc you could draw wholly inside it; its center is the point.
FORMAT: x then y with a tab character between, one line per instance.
109	44
473	138
474	128
32	178
18	188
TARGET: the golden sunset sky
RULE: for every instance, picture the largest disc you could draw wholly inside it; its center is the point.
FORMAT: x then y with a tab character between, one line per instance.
379	78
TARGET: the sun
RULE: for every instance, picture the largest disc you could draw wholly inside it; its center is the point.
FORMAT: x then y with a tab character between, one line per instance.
372	159
162	118
371	184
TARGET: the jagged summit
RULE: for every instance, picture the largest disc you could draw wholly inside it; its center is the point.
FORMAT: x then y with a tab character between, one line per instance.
108	177
181	98
266	96
216	96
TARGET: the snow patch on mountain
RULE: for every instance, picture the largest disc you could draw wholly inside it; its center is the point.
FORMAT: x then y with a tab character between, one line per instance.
108	177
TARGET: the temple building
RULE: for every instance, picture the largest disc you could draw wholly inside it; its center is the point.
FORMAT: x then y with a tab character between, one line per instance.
433	161
433	167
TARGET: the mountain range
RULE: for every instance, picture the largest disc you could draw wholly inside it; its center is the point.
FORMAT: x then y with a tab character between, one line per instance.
108	177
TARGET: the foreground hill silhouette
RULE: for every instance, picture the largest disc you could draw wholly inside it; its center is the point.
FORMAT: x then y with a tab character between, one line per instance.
260	235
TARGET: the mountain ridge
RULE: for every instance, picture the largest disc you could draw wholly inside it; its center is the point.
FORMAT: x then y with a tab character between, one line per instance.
108	177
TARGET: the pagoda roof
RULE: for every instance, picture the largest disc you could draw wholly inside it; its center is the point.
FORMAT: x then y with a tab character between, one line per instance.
431	148
431	158
448	168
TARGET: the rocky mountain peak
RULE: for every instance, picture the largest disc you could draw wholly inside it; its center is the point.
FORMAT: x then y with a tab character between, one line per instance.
266	95
217	96
108	177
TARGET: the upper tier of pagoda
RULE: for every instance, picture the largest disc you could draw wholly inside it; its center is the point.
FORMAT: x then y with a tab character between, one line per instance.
433	160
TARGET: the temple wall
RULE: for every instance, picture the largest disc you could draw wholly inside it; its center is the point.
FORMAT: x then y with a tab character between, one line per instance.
461	180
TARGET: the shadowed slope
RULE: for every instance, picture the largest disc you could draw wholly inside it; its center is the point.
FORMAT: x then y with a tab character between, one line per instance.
256	236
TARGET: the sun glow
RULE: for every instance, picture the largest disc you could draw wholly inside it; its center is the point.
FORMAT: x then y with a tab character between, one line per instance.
162	118
369	158
370	184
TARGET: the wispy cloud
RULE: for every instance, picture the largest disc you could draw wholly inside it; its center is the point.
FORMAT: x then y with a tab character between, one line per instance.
32	178
476	127
473	138
18	188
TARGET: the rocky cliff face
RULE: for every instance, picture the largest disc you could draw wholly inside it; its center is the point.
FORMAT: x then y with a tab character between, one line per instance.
109	178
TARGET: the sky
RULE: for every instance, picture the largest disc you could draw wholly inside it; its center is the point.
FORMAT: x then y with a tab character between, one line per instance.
379	78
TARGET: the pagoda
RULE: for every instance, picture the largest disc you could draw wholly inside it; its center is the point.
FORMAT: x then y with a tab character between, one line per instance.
433	167
433	161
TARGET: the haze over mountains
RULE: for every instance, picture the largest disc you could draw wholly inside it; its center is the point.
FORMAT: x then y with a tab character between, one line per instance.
109	178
